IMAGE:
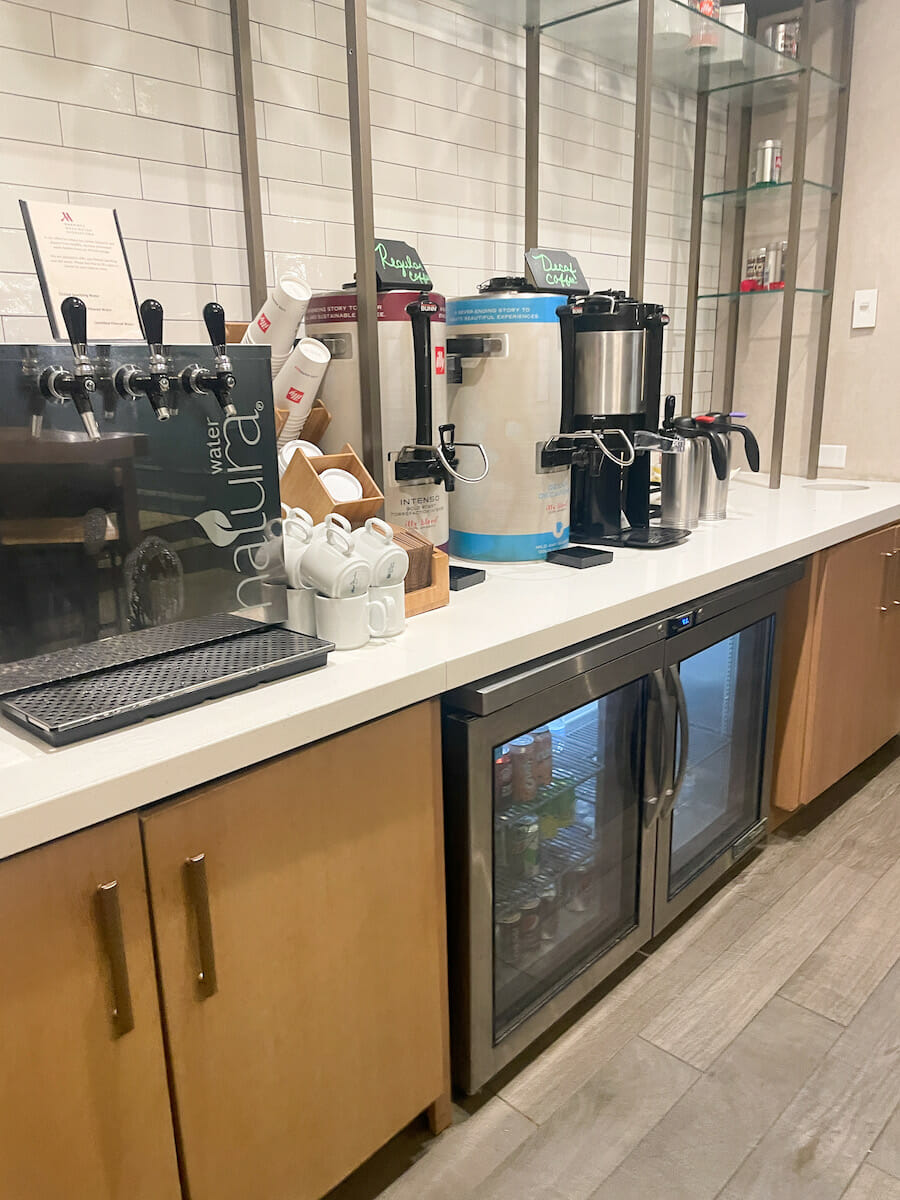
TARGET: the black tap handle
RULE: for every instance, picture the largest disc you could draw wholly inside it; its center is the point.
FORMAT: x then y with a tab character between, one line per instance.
751	445
152	321
420	318
669	412
567	343
214	317
74	314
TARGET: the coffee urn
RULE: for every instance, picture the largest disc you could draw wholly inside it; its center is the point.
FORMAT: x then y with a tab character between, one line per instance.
611	382
503	387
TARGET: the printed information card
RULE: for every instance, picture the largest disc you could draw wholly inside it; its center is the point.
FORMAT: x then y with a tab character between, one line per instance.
78	251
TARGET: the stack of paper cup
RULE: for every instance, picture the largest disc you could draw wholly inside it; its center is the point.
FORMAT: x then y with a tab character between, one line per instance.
297	384
275	324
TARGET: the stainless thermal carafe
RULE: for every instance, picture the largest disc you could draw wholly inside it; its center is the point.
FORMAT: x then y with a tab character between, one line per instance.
713	486
682	468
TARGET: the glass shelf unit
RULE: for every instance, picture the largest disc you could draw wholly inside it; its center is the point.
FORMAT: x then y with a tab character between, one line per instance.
691	53
760	193
762	292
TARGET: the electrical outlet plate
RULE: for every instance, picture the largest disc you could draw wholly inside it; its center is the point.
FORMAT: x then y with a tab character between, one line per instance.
833	456
865	308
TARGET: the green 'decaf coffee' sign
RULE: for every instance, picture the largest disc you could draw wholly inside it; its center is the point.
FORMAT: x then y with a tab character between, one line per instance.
555	271
398	265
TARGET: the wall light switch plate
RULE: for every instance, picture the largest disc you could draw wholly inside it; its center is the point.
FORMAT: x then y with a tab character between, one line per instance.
833	456
865	307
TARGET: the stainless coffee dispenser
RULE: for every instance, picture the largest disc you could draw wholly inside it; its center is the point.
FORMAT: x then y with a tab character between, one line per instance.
611	381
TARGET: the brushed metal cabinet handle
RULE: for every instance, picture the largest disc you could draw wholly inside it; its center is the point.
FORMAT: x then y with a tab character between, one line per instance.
198	895
886	603
110	915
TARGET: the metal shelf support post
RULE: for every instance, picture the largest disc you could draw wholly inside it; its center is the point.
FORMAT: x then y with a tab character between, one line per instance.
791	270
690	330
356	20
249	151
532	123
831	248
642	115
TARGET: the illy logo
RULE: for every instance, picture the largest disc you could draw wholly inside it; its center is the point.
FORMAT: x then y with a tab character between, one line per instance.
439	360
67	218
294	395
263	322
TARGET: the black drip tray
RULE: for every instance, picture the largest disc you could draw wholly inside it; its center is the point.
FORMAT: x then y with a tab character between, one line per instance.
75	709
119	650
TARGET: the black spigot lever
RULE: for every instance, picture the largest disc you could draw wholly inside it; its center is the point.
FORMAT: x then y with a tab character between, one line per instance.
153	382
214	319
221	382
74	315
79	384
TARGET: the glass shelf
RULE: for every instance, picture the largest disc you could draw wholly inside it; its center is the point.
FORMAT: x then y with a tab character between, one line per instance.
766	292
740	197
691	53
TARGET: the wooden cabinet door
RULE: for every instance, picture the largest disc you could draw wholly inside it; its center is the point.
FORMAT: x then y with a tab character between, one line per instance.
84	1105
851	708
890	653
324	911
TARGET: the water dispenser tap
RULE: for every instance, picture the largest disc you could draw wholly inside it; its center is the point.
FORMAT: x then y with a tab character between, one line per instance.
154	381
79	384
220	381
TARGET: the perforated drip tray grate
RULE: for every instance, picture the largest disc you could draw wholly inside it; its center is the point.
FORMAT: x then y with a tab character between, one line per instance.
119	650
74	709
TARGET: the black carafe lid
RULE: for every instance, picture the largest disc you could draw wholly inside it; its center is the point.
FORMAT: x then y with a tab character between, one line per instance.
505	283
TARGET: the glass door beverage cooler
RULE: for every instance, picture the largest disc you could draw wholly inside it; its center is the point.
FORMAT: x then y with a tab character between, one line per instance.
590	797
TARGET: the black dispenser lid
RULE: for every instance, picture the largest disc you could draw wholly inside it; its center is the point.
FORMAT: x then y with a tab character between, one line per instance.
616	310
505	283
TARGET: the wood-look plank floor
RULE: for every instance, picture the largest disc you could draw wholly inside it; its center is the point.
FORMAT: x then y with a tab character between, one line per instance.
754	1055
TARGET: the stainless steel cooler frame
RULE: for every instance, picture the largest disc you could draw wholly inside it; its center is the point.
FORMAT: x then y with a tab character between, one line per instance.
485	714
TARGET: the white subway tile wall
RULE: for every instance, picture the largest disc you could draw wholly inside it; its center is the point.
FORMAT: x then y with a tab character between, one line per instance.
117	102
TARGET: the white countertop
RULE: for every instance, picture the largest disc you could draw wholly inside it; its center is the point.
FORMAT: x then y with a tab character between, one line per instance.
519	613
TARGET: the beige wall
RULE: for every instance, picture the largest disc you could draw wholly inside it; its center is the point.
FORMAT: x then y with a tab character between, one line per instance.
862	401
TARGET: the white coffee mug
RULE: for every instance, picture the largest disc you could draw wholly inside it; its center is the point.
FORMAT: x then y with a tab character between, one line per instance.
349	622
389	562
332	566
301	610
393	598
333	520
297	535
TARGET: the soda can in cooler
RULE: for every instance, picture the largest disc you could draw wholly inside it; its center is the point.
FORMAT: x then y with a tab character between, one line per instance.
546	807
509	942
549	912
543	756
530	926
521	751
502	828
565	799
524	845
503	781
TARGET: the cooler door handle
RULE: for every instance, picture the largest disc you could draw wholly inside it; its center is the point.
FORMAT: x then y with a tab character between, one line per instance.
660	735
683	722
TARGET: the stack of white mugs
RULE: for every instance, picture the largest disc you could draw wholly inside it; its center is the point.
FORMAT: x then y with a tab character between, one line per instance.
344	585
